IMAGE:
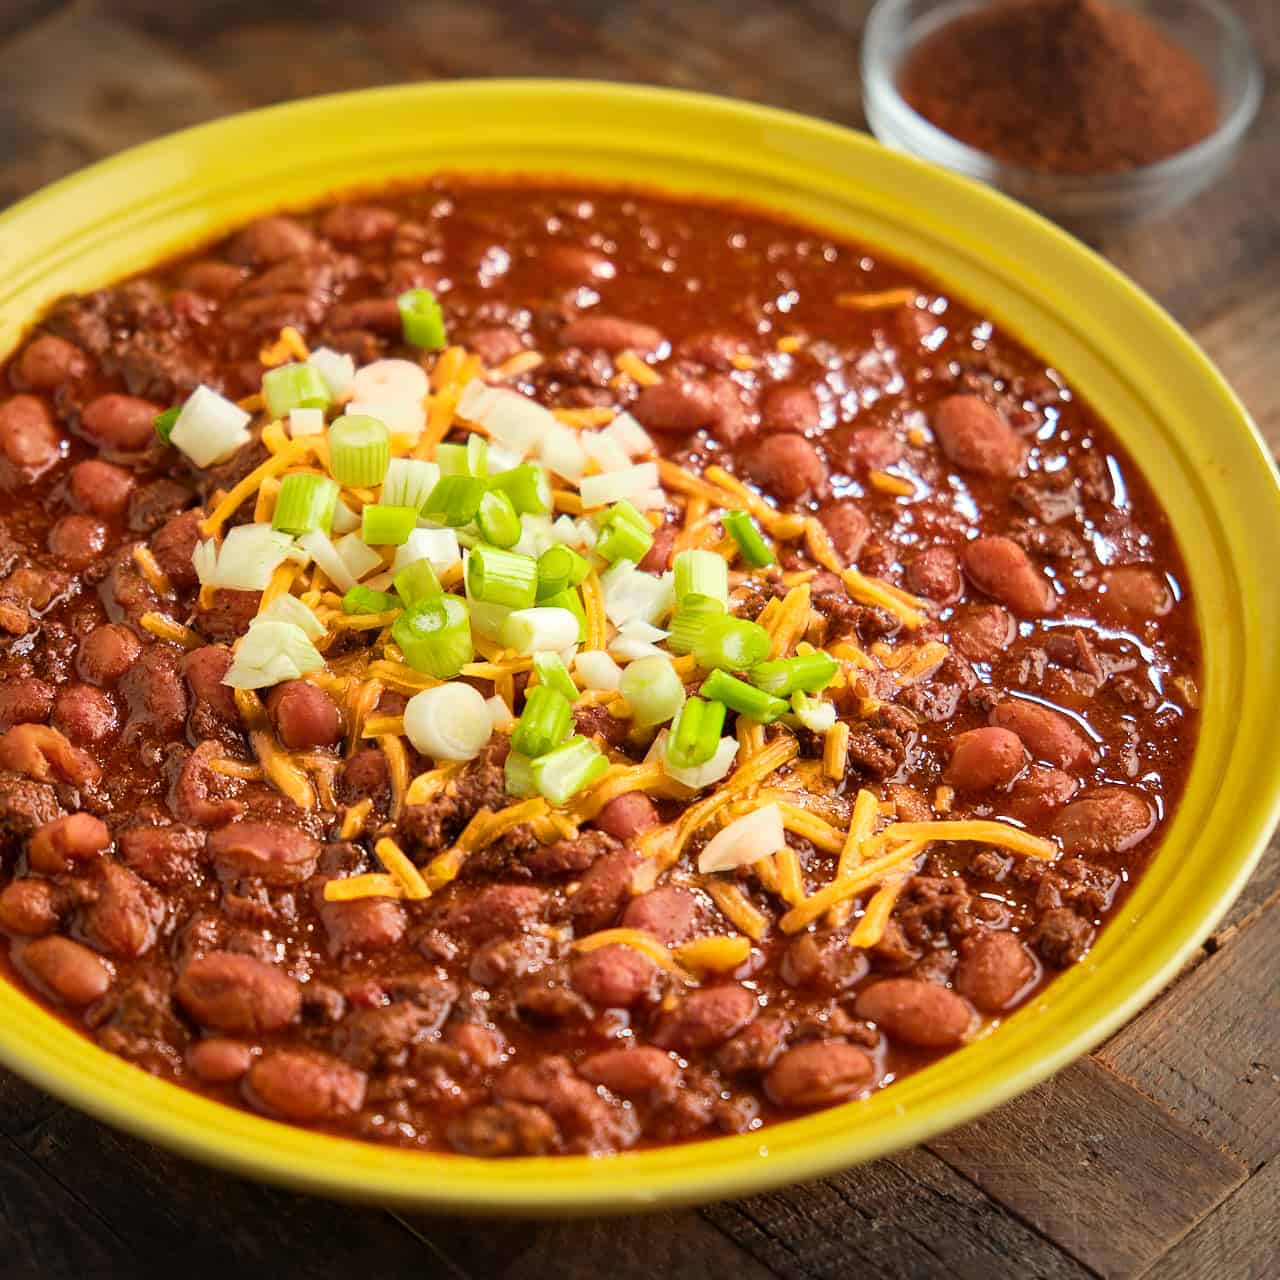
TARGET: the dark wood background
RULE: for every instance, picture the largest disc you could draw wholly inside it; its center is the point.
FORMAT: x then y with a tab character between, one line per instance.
1156	1155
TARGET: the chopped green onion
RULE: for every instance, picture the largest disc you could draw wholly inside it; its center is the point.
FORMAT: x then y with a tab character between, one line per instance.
421	319
359	450
695	733
562	773
621	538
570	600
166	421
702	573
449	722
808	672
294	386
518	772
529	631
454	501
417	582
754	550
435	636
815	714
739	696
495	576
452	459
653	690
718	640
477	456
408	482
387	526
560	567
544	722
498	521
366	600
304	503
554	674
623	510
527	486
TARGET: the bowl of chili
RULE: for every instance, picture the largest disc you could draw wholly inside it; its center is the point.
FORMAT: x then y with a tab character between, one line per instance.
1099	116
1174	415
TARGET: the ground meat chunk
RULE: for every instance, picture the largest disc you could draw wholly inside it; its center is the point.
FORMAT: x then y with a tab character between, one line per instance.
507	1129
879	745
1062	937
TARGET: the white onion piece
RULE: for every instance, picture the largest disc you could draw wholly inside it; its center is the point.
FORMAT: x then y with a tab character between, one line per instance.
323	552
535	535
588	535
271	652
408	482
817	715
699	776
756	835
209	427
605	450
500	459
394	381
450	722
440	546
204	559
631	595
500	714
402	417
614	486
596	670
514	421
560	451
648	500
249	555
291	609
336	368
530	631
360	558
630	435
306	422
344	519
637	639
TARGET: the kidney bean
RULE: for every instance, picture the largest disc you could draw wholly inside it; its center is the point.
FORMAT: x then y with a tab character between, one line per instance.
366	925
65	969
165	856
612	334
627	815
982	632
919	1013
275	852
819	1074
577	262
238	993
1133	591
25	700
218	1060
680	405
495	344
58	845
658	558
376	315
787	407
999	567
982	759
304	716
270	240
101	488
155	693
733	423
43	753
632	1073
847	526
862	449
202	796
823	962
85	714
1106	820
995	971
604	890
106	653
935	574
615	977
483	1047
125	423
172	545
122	921
77	541
706	1018
714	348
213	279
204	669
305	1086
29	441
364	774
976	438
1038	793
29	908
262	317
1048	735
789	467
359	223
668	912
49	361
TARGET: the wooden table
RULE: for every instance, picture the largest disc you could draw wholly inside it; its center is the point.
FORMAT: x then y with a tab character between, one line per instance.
1169	1131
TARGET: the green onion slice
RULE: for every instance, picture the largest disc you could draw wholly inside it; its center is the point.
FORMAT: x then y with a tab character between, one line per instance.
561	774
702	573
502	577
166	421
417	582
570	600
560	567
806	673
518	772
554	674
653	690
741	697
718	640
497	518
294	386
304	503
359	450
387	526
422	320
544	723
528	488
366	600
435	636
695	733
621	538
754	550
455	500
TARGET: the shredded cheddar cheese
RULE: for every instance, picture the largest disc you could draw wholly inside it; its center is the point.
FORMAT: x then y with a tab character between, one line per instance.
165	628
870	929
150	569
786	863
884	300
398	864
835	751
738	909
713	954
373	884
593	605
354	818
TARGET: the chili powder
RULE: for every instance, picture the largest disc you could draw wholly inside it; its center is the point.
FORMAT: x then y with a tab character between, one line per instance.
1061	86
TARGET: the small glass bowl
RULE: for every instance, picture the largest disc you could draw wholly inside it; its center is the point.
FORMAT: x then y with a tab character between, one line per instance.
1092	207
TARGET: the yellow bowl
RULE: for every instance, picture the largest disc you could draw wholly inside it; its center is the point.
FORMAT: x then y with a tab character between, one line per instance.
1185	428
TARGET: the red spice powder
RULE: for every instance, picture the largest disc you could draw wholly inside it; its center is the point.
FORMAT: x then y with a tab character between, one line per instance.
1061	86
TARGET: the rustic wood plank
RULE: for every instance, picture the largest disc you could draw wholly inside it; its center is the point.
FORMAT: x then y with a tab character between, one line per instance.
1087	1149
909	1217
1209	1050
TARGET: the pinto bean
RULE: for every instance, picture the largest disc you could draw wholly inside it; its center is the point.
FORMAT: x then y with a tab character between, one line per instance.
29	908
29	440
823	962
50	361
668	912
77	540
1135	591
848	528
976	438
862	449
483	1047
632	1073
612	334
1107	820
107	653
123	920
819	1074
919	1013
204	669
101	488
1048	735
58	845
213	279
274	852
1002	569
366	925
125	423
66	969
495	344
218	1060
658	558
238	993
304	715
375	315
982	632
680	405
262	317
627	815
270	240
172	545
577	262
155	692
44	754
614	976
1038	793
788	407
165	856
359	223
982	759
789	467
706	1018
995	971
25	700
201	796
935	574
305	1086
85	714
604	890
714	348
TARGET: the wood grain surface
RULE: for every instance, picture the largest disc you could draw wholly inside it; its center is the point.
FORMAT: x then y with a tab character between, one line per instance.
1156	1156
